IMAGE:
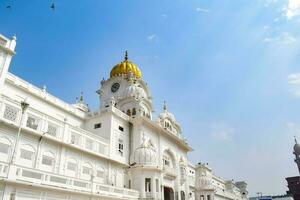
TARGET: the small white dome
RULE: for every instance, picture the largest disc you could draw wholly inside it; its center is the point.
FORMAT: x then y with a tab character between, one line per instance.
145	154
166	114
135	91
204	182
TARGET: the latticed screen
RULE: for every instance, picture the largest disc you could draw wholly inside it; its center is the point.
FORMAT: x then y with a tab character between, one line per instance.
86	170
52	130
10	113
100	173
25	154
32	123
47	160
71	166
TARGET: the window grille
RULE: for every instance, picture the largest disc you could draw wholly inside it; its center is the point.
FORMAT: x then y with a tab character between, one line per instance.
86	170
100	173
47	160
27	155
10	113
52	130
71	166
32	123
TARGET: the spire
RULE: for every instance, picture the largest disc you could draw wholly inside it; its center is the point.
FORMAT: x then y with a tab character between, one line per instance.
81	97
165	105
126	55
295	139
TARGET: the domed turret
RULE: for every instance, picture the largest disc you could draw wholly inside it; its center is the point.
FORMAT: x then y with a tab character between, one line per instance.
167	114
167	121
81	105
135	91
145	154
125	67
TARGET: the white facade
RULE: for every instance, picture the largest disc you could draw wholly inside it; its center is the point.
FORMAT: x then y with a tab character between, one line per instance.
52	150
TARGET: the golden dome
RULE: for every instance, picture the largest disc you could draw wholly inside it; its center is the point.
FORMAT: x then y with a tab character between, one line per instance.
125	67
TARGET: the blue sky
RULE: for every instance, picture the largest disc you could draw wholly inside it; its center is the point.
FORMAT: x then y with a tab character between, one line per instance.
229	70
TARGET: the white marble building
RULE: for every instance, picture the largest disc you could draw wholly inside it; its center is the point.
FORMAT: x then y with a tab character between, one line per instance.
52	150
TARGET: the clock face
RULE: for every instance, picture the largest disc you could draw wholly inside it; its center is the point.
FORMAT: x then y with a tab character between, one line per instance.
115	87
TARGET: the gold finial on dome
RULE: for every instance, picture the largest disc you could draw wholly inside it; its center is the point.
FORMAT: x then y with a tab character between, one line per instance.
126	55
125	68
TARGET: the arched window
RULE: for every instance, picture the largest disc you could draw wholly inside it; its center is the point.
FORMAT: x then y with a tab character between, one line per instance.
100	174
5	148
133	111
87	169
168	160
128	112
27	154
48	160
72	166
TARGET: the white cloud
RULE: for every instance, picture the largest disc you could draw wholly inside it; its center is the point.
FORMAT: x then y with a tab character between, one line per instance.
202	10
292	9
165	16
283	38
222	132
294	82
269	2
152	37
294	78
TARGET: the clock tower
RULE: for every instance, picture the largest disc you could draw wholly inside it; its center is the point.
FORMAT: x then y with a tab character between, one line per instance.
127	90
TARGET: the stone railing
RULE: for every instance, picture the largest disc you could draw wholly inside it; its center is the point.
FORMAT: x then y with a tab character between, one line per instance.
39	123
38	177
43	95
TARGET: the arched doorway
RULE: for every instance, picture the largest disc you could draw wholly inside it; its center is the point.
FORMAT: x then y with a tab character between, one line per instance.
168	193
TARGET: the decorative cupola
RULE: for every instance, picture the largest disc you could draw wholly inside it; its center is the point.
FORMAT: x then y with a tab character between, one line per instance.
125	67
167	121
145	154
134	90
81	105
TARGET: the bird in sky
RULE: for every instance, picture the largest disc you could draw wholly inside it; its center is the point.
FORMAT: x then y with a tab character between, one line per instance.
52	6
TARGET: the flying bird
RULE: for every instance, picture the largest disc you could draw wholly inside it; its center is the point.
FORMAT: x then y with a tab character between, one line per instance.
52	6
